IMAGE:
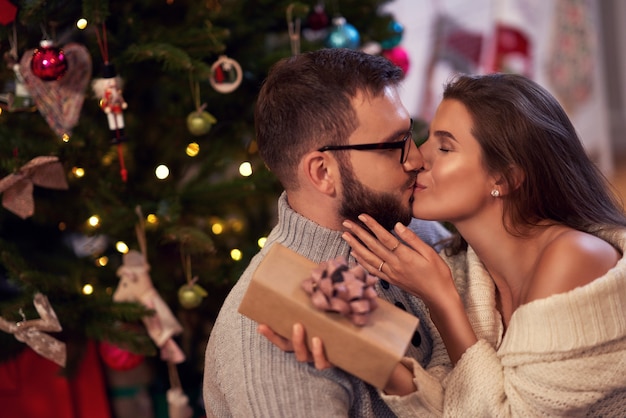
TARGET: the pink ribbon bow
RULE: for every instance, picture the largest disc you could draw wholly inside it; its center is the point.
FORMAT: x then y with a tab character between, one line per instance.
335	287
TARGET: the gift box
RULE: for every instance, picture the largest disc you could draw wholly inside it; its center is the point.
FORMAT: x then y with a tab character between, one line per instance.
275	297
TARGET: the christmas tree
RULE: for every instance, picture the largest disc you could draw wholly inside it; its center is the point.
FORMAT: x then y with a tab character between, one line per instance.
167	173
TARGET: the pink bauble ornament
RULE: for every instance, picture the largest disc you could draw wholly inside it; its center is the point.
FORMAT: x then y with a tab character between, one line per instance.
48	62
399	57
118	358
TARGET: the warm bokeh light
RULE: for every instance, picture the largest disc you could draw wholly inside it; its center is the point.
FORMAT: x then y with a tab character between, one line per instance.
81	23
217	228
162	172
236	254
121	247
193	149
107	159
245	169
236	225
102	261
261	242
152	219
94	221
78	172
87	289
65	138
62	226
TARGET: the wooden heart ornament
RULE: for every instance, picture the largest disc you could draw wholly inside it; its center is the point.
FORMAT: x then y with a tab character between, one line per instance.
60	101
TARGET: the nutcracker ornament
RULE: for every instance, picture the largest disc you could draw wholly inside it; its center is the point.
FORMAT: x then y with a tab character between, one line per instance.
109	90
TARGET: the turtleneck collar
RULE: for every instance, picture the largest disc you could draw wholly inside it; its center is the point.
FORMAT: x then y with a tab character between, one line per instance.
304	236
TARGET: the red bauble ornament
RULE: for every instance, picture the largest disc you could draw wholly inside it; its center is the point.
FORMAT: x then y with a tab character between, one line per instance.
318	19
118	358
48	62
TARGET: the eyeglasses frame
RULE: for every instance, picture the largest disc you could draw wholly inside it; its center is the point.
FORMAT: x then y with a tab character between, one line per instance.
401	144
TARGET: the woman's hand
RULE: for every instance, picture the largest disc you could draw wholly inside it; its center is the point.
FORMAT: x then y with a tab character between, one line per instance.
413	265
418	269
298	345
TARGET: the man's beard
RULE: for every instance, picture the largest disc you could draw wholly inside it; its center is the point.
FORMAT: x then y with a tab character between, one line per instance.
385	208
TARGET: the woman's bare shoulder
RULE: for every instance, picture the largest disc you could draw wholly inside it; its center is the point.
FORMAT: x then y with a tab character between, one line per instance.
570	259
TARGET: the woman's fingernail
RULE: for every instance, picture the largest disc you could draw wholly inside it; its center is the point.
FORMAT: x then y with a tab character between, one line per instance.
400	228
362	218
347	224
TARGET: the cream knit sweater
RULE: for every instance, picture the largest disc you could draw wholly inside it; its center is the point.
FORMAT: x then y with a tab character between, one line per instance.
562	356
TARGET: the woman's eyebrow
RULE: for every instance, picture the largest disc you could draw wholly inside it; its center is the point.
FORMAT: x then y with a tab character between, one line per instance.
445	134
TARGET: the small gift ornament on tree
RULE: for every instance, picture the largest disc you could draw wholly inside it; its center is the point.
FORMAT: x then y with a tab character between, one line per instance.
19	99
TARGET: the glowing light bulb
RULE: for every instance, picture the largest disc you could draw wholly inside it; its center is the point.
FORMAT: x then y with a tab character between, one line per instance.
81	23
94	221
261	242
78	172
121	247
162	172
236	254
245	169
87	289
217	228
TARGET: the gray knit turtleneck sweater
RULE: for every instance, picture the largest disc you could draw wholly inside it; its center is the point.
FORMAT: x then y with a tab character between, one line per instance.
247	376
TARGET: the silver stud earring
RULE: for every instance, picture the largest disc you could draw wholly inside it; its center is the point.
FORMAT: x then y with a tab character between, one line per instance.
495	193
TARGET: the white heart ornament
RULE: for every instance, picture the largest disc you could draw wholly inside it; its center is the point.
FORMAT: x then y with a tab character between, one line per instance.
60	101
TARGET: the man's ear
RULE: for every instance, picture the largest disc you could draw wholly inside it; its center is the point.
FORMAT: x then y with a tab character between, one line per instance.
320	171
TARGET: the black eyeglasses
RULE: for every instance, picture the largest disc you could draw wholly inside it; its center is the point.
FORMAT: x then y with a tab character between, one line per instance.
404	144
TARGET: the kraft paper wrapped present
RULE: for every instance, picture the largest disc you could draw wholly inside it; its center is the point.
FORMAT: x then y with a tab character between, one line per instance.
275	297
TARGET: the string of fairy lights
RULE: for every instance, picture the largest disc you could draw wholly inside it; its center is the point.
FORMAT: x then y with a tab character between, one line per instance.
161	172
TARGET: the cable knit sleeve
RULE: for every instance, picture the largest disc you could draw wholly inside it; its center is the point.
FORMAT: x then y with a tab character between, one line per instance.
427	401
560	357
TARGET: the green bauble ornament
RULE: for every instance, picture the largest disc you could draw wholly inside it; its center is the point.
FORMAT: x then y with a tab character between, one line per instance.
190	295
200	122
